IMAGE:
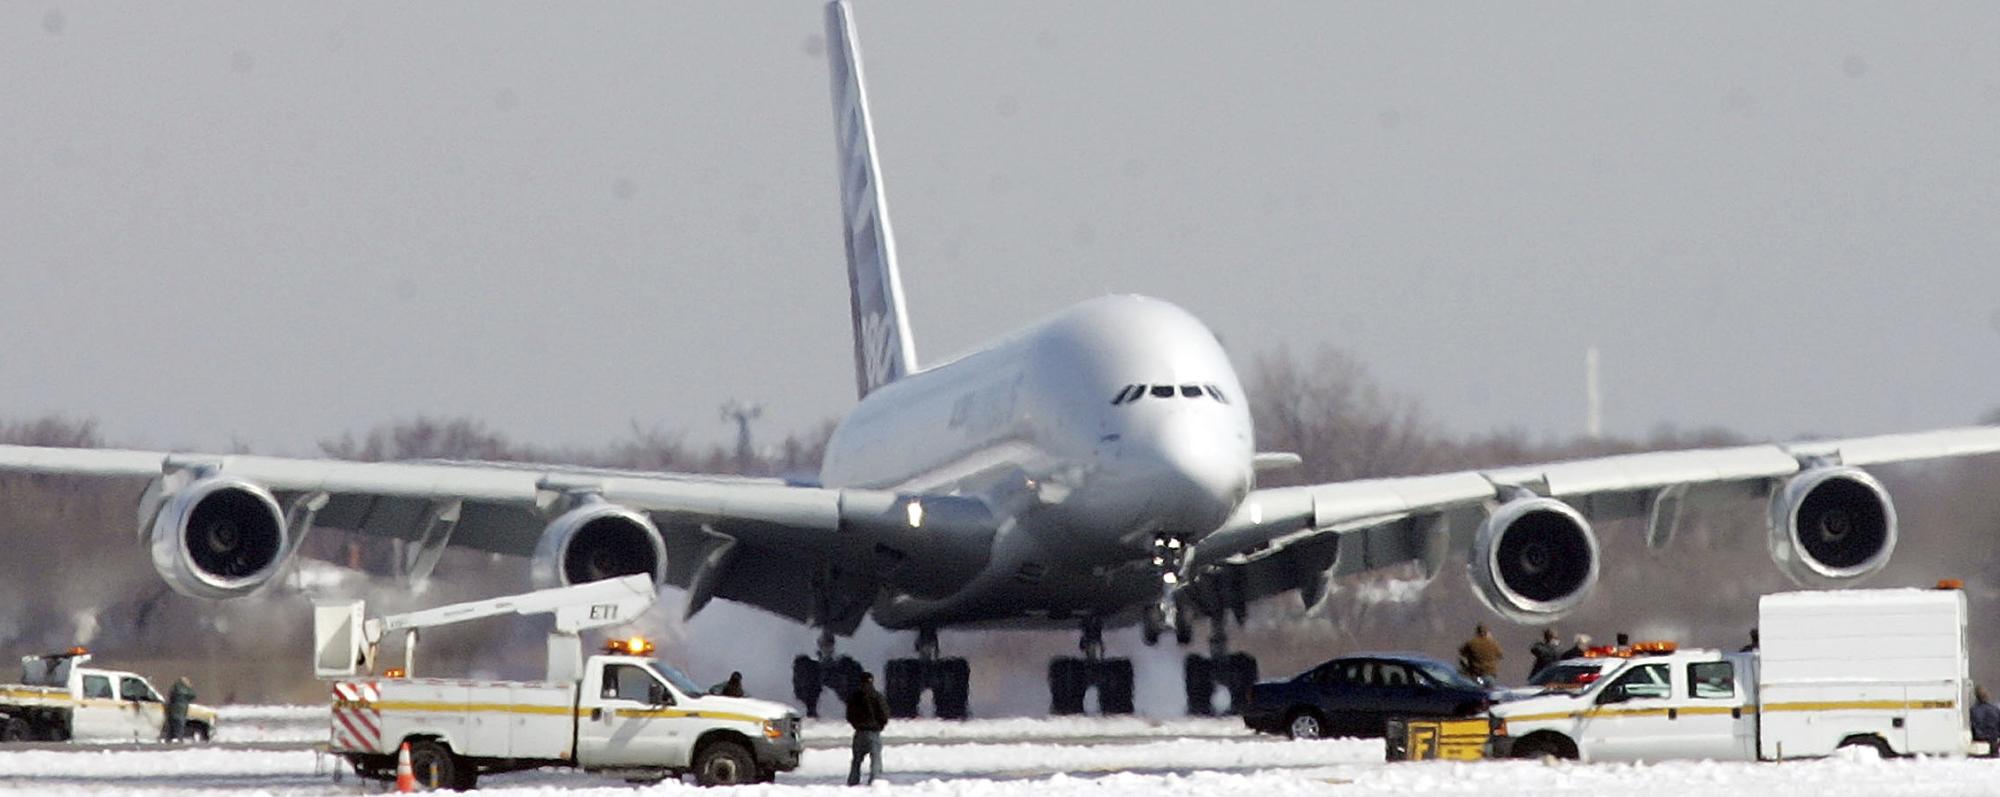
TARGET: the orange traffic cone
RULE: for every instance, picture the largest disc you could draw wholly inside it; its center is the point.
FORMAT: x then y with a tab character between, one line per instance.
406	778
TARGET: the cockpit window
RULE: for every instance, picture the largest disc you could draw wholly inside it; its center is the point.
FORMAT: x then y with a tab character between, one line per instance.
1163	391
1217	393
1190	391
1128	393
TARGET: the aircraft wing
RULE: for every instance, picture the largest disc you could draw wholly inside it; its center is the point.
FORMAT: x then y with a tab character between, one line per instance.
758	541
1295	538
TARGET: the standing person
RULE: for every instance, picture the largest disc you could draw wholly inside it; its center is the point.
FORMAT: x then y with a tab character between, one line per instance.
1753	641
1576	649
1624	640
868	714
1546	652
730	688
1479	658
178	699
1985	720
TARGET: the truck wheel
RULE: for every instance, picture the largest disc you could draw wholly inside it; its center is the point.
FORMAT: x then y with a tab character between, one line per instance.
1305	723
1869	742
14	729
1544	746
724	763
434	765
198	732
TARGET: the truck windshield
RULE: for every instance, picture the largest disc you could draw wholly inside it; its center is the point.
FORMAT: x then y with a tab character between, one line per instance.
681	682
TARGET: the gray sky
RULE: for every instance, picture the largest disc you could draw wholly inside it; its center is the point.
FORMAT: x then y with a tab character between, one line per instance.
272	222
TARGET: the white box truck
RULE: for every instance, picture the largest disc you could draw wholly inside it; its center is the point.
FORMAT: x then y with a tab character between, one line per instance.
621	713
1884	669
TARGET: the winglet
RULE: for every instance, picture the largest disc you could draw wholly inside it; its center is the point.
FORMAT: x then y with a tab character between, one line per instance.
883	348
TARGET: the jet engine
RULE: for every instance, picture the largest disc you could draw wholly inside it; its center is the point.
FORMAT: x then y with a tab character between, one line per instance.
1534	559
219	538
596	541
1832	525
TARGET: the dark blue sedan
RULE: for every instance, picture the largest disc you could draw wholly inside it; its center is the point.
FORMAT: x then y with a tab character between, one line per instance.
1356	695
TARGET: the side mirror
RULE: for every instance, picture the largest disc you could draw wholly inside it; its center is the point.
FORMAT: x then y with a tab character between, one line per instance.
1614	693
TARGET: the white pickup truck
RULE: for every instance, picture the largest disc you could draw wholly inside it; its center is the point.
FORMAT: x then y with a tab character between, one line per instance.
621	713
60	699
1883	669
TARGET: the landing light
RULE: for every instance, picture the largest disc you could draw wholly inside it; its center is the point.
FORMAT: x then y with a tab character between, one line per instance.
916	510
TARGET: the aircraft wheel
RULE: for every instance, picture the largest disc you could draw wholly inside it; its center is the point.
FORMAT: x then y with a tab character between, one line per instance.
1066	686
1114	686
905	687
1200	676
1237	674
952	688
806	683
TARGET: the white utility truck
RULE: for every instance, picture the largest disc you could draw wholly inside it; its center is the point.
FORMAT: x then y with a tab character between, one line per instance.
60	699
1884	669
621	713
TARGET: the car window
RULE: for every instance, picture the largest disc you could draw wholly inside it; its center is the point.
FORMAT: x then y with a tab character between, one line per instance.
130	688
1360	673
97	686
629	682
1712	679
1650	680
1390	674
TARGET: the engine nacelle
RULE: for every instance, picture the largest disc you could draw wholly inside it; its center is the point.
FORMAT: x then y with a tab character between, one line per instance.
1534	559
596	541
1831	526
219	538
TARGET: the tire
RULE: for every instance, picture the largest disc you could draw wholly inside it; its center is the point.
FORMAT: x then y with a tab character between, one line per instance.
1544	745
724	763
1066	686
1875	743
905	687
199	732
953	689
806	683
15	729
1199	674
1114	687
1237	673
1305	723
434	765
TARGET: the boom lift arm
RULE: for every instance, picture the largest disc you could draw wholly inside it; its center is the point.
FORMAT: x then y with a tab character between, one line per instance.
347	640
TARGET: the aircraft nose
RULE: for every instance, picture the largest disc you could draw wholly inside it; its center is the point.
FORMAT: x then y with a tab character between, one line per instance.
1199	475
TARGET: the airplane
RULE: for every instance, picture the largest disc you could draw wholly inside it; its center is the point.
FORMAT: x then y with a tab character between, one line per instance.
1093	470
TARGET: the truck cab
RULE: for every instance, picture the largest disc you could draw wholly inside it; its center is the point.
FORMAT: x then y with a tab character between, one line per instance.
1683	704
640	712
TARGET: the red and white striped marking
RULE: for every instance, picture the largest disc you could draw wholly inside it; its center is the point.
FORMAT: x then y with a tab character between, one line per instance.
357	722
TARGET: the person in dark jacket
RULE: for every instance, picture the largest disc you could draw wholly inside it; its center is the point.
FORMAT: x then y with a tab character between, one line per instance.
1985	720
868	714
1753	642
1546	652
1577	649
1479	658
178	700
730	688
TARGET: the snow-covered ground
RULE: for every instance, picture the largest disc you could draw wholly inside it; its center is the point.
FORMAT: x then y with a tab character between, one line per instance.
926	759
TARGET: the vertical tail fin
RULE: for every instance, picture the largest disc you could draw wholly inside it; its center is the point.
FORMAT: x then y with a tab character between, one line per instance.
883	349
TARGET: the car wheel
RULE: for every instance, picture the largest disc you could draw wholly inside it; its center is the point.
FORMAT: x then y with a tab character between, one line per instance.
1305	724
724	763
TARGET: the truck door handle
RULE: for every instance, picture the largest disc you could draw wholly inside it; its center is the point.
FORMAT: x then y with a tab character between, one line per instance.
1673	713
596	714
1736	713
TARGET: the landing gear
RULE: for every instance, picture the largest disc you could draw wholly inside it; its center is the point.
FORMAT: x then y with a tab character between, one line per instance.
1234	672
811	674
1071	678
949	681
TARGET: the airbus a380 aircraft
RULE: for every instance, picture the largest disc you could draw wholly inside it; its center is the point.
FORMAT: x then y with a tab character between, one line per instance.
1094	469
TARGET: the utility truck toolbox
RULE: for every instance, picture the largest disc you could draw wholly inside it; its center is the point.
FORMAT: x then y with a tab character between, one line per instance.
620	712
1885	669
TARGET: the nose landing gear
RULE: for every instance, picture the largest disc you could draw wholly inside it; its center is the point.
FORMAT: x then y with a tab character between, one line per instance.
825	670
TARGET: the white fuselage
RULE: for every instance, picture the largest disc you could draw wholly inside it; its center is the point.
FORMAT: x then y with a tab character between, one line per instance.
1083	485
